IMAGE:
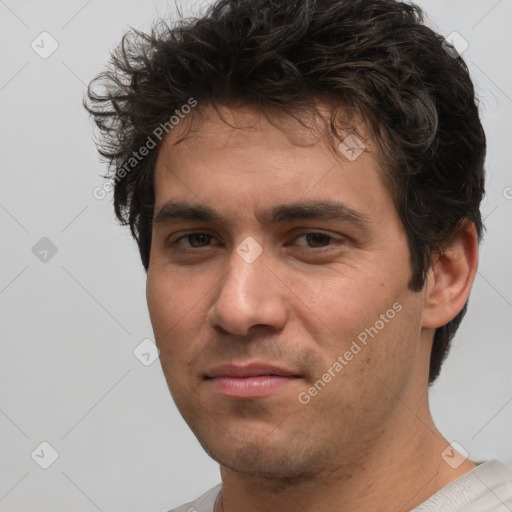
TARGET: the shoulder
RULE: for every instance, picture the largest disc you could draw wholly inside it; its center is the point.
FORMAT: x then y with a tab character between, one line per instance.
204	503
487	488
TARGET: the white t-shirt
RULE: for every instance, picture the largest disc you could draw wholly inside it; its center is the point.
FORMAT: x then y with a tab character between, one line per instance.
487	488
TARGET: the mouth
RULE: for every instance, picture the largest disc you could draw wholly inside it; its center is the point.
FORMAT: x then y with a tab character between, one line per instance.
249	381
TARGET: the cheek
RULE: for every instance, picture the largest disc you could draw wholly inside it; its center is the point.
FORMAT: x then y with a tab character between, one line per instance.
170	296
158	298
355	303
374	332
369	375
167	305
177	306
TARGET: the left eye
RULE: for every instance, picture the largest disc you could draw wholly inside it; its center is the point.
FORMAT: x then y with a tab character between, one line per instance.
317	239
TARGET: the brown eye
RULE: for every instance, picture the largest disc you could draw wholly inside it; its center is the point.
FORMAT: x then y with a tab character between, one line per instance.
195	240
318	240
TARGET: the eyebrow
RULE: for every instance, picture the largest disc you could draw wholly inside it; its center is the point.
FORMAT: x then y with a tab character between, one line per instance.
175	211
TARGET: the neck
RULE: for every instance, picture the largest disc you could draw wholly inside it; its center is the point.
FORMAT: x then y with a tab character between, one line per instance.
396	470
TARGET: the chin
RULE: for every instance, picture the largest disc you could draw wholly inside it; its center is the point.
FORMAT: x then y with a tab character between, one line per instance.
266	460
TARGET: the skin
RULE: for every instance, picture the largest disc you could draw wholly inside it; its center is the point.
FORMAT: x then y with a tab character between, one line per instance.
366	441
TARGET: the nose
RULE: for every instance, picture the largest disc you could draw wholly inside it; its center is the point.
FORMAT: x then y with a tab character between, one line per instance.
250	294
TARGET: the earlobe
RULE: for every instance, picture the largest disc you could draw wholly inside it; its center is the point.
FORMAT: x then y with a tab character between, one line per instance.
450	278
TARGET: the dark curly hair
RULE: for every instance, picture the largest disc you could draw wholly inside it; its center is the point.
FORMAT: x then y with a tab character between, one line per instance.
375	58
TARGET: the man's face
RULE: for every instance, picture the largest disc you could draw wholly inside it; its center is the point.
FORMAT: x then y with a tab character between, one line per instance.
300	294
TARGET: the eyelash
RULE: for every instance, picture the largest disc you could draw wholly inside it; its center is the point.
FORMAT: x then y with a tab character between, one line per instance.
336	241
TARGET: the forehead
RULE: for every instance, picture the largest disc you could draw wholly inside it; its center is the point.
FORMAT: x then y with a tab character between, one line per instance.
230	127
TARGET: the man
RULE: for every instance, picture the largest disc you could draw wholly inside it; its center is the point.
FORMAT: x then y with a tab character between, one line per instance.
303	179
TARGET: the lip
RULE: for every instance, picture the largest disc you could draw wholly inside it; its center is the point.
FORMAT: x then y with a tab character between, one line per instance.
255	380
249	370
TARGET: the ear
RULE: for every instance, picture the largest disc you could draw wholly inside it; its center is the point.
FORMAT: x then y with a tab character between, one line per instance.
450	278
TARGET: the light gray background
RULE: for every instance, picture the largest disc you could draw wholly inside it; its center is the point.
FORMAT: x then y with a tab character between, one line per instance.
68	375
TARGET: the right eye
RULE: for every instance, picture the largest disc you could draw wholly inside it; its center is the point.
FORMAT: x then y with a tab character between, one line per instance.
195	240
